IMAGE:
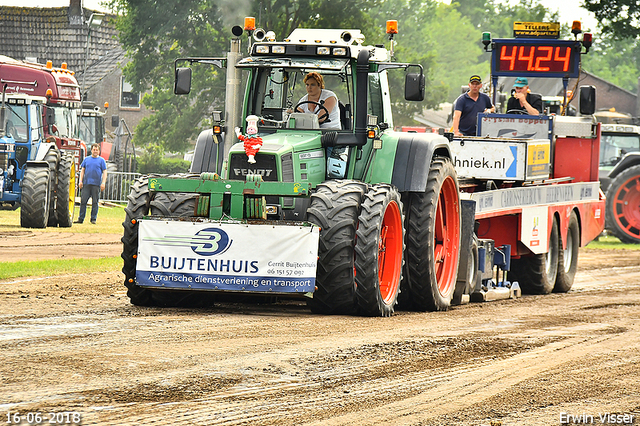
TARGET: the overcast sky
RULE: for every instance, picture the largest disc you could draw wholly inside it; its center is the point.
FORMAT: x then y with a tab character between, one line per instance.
570	10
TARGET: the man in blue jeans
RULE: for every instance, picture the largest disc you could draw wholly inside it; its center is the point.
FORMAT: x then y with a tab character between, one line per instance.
93	176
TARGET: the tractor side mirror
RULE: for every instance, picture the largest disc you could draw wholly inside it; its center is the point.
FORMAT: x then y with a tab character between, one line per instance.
115	120
587	100
414	86
182	84
51	116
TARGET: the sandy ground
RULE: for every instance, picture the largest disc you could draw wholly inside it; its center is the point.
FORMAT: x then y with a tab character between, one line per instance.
73	348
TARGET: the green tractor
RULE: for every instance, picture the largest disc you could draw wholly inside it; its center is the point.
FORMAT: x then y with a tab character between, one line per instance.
354	217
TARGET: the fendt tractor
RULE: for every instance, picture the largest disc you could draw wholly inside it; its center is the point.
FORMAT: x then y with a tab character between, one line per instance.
620	179
360	218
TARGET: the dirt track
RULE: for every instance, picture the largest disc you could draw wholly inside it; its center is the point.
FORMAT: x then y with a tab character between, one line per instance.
74	343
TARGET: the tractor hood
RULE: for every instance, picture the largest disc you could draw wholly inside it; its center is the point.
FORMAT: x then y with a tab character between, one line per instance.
284	141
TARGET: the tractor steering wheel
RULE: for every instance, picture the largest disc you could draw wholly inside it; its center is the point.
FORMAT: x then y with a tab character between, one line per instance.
320	106
517	111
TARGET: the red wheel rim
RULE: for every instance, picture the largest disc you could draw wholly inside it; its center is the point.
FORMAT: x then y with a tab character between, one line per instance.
626	207
390	252
447	236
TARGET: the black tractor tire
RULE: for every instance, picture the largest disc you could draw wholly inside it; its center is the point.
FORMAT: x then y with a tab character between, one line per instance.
568	257
53	159
536	274
622	214
467	271
34	202
142	202
335	207
379	251
432	241
65	193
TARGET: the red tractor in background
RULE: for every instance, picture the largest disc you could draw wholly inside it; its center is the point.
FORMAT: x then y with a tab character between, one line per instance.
60	87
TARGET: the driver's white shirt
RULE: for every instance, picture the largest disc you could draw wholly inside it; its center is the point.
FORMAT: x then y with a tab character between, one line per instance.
334	115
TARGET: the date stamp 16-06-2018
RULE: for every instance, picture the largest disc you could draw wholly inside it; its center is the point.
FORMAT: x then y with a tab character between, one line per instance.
43	417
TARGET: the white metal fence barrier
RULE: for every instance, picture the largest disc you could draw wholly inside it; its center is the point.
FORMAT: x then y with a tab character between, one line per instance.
118	186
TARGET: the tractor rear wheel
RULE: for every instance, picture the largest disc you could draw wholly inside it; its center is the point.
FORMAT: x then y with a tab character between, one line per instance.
432	240
622	214
65	193
378	251
142	202
335	207
568	257
53	158
34	202
537	274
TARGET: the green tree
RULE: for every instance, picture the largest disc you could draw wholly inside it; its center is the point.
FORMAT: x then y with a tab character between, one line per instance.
410	46
615	61
618	17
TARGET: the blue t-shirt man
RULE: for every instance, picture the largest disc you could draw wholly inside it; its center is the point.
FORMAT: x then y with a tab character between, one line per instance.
93	176
93	168
468	106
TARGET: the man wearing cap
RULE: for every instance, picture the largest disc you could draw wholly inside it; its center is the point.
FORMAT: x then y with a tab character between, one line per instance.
522	101
467	107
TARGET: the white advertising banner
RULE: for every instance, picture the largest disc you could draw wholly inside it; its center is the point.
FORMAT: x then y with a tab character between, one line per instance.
527	196
227	256
489	159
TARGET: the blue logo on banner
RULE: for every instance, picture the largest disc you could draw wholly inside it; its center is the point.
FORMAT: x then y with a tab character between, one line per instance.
210	241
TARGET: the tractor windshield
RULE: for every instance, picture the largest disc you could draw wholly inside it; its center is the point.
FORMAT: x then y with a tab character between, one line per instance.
277	85
66	122
614	146
16	122
91	129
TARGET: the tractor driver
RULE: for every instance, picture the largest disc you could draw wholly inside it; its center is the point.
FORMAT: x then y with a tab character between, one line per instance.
317	94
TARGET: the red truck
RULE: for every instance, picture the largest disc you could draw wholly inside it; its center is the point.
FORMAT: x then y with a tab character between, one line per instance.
60	87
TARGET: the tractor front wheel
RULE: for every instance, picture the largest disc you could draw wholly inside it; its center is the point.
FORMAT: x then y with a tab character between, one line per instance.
143	202
378	251
34	202
335	207
53	158
65	193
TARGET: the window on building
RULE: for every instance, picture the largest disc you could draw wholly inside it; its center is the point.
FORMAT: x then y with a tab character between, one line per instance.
128	98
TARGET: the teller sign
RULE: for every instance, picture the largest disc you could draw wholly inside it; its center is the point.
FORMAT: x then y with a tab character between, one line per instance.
536	58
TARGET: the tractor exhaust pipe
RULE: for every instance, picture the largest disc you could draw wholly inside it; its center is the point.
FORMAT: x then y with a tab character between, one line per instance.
233	101
362	86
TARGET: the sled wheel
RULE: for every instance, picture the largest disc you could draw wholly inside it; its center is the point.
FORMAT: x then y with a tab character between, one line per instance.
378	251
568	257
65	193
34	202
335	207
432	240
536	274
623	206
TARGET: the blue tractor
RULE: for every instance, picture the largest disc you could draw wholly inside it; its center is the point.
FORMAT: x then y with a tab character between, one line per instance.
34	174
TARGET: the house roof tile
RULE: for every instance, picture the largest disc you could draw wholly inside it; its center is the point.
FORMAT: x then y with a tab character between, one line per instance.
53	34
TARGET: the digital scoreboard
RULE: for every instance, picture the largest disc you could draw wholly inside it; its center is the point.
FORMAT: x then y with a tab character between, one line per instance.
536	58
